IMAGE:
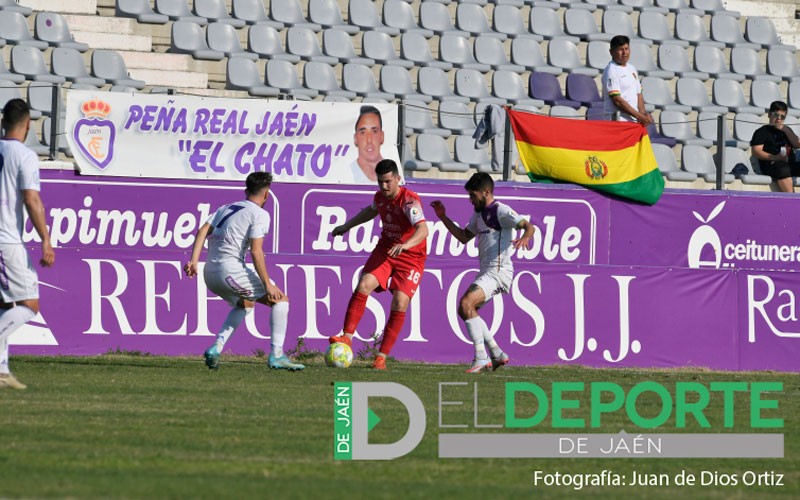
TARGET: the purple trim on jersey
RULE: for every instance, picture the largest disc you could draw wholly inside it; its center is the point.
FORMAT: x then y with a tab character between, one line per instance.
244	292
489	215
4	284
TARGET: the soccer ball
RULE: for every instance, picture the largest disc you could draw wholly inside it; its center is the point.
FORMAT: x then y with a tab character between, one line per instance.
339	355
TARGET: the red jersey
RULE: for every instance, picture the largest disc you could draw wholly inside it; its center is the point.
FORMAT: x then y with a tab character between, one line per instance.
399	216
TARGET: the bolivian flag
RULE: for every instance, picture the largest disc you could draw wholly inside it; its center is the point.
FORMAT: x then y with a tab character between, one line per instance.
615	157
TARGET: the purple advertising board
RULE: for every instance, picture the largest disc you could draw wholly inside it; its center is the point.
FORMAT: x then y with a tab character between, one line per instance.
605	283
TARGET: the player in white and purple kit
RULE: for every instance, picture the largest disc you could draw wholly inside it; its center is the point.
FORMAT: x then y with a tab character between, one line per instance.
494	224
232	231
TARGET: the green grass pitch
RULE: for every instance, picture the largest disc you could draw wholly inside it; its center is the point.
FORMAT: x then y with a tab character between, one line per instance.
123	426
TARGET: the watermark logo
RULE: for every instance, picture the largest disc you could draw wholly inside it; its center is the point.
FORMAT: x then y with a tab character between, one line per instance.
705	239
95	134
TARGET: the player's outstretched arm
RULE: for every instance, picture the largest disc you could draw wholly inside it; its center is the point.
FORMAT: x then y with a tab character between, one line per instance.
199	240
257	253
33	203
365	215
525	239
460	233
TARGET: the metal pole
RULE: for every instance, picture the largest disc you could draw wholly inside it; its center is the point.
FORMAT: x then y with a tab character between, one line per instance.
54	120
507	148
401	131
720	150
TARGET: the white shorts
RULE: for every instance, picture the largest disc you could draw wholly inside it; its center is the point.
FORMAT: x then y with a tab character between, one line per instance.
493	282
18	278
232	283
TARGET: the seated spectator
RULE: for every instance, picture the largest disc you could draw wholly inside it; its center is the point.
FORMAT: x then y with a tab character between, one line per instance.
774	145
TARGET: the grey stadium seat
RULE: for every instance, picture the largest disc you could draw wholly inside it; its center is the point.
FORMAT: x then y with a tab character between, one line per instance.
364	14
653	26
326	13
698	159
746	61
676	6
223	37
252	12
14	6
29	61
216	11
418	120
597	55
53	29
434	150
548	24
489	50
283	75
337	43
783	63
190	38
379	46
61	139
618	22
509	86
243	74
692	92
32	142
576	4
140	10
415	48
565	54
677	125
320	77
656	92
14	29
465	152
642	59
711	7
435	17
69	64
691	27
764	92
760	30
396	80
526	52
793	94
40	98
471	83
472	19
109	65
730	94
435	83
411	162
560	111
745	125
641	5
674	58
358	78
665	159
711	60
399	14
581	23
265	41
708	128
507	19
303	42
457	117
290	13
7	76
726	29
735	157
178	10
457	51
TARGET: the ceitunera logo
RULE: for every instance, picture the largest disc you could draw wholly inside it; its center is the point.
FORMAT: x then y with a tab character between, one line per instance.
573	406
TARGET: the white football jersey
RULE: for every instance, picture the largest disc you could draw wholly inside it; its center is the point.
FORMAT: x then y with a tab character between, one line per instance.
19	170
494	228
234	225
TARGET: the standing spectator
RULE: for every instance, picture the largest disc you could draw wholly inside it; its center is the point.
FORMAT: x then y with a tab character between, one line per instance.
622	91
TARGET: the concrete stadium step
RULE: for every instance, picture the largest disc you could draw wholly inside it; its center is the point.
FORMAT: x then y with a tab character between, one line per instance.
109	33
63	6
148	66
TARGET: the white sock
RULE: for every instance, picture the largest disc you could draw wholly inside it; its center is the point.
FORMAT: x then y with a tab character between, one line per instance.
475	328
234	319
488	340
277	325
11	320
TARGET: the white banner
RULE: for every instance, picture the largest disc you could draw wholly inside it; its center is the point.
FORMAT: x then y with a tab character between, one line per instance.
187	137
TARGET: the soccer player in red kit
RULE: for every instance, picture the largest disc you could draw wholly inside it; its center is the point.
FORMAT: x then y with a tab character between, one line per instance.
399	255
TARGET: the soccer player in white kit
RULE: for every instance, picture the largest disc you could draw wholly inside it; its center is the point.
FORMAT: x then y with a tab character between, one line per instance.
19	189
494	224
231	231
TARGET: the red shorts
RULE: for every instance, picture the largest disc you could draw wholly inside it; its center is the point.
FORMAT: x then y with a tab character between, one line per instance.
404	270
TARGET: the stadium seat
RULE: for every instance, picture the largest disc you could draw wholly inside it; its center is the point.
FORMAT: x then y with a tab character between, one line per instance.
576	4
265	41
608	5
40	99
507	19
379	46
642	60
178	10
710	60
109	65
433	149
14	30
764	92
653	26
435	17
711	7
418	119
139	10
761	31
657	137
735	157
698	159
8	91
783	63
618	22
53	29
189	38
326	13
223	37
399	14
303	42
525	52
337	43
641	5
676	6
243	74
548	24
583	89
597	113
69	63
745	125
435	83
29	61
216	12
364	14
708	128
396	80
656	92
32	142
14	6
466	152
283	76
290	14
7	76
746	61
597	55
691	28
673	58
692	92
456	117
61	140
358	78
509	86
726	29
581	23
414	48
471	83
472	19
252	12
320	77
457	51
559	111
545	87
676	124
564	53
489	50
665	159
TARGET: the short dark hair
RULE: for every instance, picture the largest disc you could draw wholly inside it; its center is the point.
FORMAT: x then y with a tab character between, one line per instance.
386	166
618	41
778	106
369	110
15	112
257	181
480	182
